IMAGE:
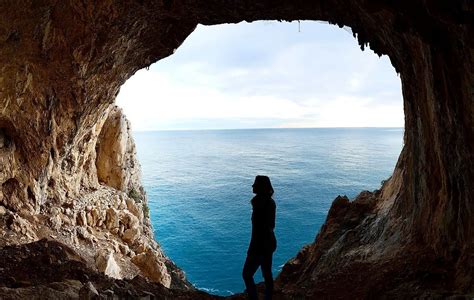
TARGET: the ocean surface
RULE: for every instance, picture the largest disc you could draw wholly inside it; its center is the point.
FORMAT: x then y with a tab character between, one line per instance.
199	187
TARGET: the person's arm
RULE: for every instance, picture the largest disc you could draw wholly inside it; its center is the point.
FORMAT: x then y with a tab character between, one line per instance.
273	216
271	222
269	215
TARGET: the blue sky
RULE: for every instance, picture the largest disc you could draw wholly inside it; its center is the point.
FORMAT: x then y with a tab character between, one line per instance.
265	74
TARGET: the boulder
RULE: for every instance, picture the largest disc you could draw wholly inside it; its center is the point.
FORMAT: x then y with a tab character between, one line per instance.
131	235
129	220
88	292
105	263
133	208
112	218
55	221
84	234
22	226
81	218
152	267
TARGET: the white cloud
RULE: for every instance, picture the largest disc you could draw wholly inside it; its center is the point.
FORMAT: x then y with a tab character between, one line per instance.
320	79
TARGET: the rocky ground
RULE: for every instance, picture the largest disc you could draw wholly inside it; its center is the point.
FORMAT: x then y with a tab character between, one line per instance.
47	269
111	235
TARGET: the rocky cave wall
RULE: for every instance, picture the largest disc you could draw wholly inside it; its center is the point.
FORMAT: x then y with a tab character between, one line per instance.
63	62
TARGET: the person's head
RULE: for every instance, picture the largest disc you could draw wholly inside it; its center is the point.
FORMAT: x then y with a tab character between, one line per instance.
262	186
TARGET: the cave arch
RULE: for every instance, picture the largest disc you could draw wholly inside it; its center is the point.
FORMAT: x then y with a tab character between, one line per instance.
65	61
158	91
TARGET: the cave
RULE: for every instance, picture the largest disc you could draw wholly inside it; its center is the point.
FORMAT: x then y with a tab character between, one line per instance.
181	168
62	66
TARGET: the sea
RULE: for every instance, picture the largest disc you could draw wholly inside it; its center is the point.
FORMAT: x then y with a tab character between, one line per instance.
199	187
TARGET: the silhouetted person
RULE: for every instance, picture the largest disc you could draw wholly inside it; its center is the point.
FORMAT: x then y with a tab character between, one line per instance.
263	242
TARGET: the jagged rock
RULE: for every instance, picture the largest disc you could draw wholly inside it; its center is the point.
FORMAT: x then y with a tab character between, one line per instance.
69	212
133	208
56	271
122	205
90	219
112	218
11	195
84	234
124	249
56	218
116	155
56	222
22	226
67	221
3	210
131	235
81	218
106	264
142	248
129	220
152	267
88	292
97	217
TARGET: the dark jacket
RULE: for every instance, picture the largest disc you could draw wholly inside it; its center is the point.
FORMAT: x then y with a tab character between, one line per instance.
263	222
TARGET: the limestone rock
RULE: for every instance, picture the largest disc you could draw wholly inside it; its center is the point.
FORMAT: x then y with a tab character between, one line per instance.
106	264
142	248
129	220
97	217
131	235
133	208
112	218
88	292
152	267
90	219
81	218
56	222
84	234
124	249
22	226
11	195
61	273
56	218
116	155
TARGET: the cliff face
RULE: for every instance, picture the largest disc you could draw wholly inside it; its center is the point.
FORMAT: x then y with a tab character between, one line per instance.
63	145
106	220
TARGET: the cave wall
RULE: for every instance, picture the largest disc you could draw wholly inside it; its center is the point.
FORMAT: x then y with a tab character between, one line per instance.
62	64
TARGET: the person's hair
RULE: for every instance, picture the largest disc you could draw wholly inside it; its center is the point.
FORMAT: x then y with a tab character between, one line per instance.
262	185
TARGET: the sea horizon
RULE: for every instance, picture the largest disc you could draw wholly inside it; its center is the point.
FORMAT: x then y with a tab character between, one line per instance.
267	128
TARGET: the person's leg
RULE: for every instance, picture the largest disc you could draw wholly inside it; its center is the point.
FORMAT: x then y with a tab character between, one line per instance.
267	275
250	267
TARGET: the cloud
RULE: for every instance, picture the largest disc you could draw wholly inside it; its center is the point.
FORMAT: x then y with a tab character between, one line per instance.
265	75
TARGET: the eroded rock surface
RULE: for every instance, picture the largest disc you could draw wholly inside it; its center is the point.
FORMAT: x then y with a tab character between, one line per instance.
47	269
67	168
107	222
116	161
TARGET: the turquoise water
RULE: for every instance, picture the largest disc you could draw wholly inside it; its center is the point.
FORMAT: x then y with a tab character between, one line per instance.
199	187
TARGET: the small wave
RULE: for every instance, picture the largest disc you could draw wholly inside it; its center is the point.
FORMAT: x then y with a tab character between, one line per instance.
215	291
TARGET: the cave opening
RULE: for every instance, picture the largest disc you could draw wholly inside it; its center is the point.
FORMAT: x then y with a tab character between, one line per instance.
199	157
62	66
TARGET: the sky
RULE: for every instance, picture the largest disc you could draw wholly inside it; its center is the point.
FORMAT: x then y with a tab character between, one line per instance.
265	74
